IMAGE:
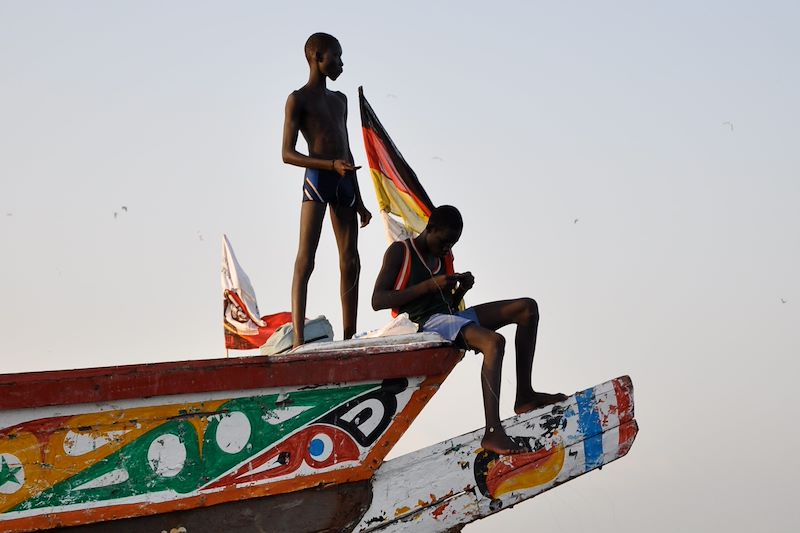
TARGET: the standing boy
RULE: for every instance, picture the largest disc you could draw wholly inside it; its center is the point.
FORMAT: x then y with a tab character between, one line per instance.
413	280
330	179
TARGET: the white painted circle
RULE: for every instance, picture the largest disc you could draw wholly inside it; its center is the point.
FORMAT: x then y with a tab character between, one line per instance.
233	432
12	472
320	447
167	455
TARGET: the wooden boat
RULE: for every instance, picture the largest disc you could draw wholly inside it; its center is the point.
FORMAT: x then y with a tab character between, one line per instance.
283	443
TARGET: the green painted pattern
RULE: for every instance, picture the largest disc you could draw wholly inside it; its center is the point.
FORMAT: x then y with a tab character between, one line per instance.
199	468
8	473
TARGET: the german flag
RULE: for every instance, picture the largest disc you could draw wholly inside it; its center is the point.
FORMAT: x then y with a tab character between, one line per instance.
403	202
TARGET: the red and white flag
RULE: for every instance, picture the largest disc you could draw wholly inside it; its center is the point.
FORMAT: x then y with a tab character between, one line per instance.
245	329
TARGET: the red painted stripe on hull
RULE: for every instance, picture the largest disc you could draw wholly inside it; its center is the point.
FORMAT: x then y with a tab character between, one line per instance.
65	387
623	388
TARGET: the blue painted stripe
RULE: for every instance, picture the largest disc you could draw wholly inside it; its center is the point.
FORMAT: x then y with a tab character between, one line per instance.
589	424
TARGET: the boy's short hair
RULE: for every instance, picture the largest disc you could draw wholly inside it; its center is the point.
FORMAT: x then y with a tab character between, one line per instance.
446	216
319	42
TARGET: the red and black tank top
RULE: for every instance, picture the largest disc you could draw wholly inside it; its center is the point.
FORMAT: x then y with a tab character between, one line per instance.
414	270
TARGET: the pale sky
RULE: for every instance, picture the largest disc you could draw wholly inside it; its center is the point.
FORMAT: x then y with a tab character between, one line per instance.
668	130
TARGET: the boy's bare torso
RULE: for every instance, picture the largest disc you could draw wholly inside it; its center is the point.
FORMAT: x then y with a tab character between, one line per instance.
321	119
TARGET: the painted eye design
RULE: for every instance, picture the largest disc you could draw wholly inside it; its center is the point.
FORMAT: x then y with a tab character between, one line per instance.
320	447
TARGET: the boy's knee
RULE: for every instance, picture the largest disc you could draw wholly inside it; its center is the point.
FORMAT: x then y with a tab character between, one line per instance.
529	312
350	263
496	345
493	354
303	266
499	343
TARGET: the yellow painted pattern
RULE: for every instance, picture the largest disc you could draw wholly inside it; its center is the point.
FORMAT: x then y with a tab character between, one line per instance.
26	449
83	440
544	472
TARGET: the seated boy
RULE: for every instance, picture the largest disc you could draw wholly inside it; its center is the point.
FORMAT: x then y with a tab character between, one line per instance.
413	280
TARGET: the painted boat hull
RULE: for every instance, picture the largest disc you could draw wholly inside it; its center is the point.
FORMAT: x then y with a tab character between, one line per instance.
448	485
108	444
440	488
292	443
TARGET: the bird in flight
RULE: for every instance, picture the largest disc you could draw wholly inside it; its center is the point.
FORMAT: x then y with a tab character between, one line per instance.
729	124
783	301
125	208
575	221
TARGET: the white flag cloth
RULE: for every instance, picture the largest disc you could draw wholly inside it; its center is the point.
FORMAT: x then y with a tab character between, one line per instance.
235	280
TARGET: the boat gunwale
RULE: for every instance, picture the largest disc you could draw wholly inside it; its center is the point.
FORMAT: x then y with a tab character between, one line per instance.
102	384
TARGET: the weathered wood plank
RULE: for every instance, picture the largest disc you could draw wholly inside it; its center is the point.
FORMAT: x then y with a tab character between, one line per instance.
456	482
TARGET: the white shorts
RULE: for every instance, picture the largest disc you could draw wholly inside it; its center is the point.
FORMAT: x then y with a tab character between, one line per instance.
449	326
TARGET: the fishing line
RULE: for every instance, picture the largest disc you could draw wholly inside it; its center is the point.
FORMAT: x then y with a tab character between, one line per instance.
450	309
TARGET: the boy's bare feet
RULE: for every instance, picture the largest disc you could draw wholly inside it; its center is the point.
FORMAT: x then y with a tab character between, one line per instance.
529	402
498	442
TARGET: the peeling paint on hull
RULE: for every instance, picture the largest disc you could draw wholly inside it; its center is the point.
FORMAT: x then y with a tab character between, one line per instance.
443	487
65	463
305	456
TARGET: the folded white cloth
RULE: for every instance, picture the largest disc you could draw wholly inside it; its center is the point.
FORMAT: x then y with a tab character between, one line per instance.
400	325
315	330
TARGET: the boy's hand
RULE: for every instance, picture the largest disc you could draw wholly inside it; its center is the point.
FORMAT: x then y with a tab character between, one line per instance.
465	280
442	282
342	167
364	214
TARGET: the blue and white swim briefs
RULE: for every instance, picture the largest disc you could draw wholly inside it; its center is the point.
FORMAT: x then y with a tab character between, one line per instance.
328	187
